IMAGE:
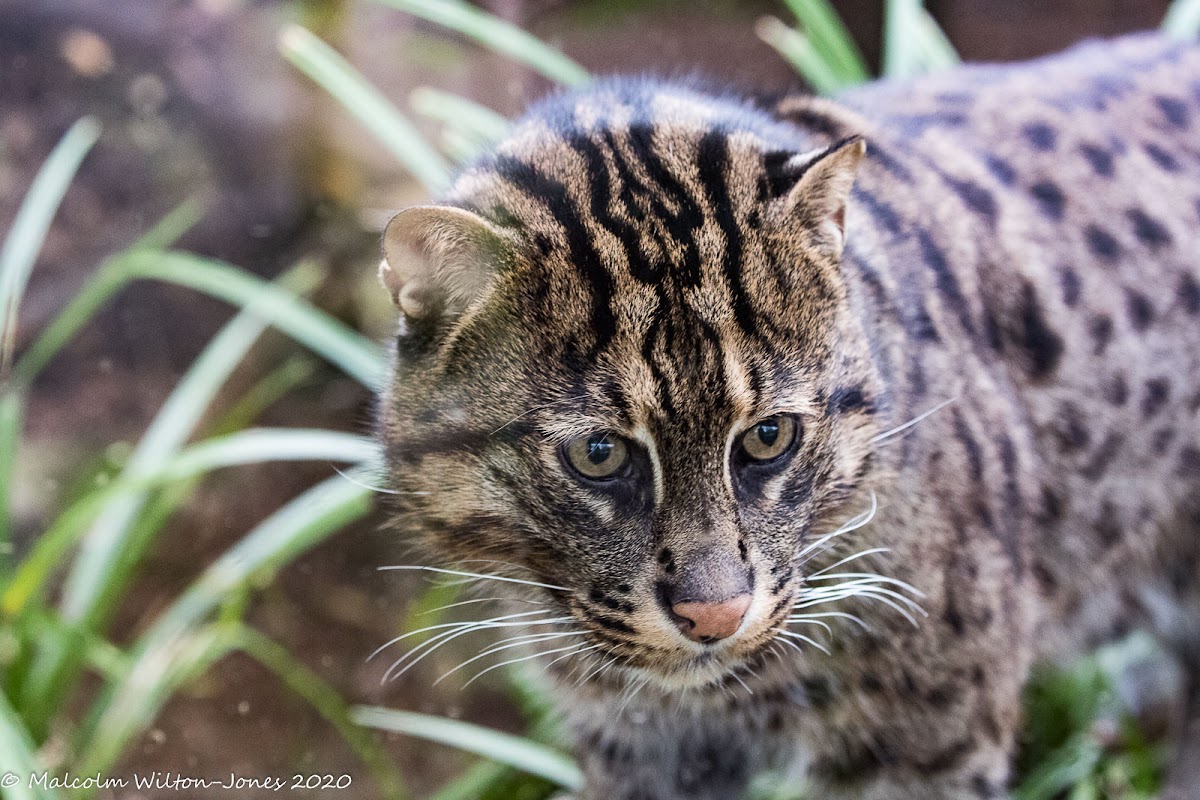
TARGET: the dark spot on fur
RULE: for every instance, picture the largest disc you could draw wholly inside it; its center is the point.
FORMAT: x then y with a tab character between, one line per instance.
1101	329
1161	157
1162	440
983	788
1043	347
954	620
846	399
624	588
1149	231
1070	429
1175	110
1189	461
1117	391
976	197
1102	243
819	692
1141	311
1072	287
1189	294
1003	170
1045	578
1052	505
871	683
1100	159
1108	525
1103	456
1050	199
1158	391
1041	135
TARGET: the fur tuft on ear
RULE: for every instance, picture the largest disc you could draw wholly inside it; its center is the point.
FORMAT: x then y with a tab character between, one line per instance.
822	190
438	259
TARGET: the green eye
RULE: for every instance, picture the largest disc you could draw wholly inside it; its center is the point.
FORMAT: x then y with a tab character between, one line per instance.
597	456
769	439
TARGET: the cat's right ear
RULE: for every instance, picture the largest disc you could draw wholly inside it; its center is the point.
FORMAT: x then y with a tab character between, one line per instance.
438	259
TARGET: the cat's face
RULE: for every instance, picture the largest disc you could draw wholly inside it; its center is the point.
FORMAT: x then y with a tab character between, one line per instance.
629	372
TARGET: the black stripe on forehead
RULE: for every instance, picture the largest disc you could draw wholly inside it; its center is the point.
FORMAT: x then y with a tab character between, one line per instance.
713	161
582	250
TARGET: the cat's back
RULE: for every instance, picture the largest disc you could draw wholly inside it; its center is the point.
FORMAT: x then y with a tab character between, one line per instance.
1036	233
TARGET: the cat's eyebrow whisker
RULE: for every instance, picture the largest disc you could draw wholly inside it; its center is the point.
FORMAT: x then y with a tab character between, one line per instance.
919	418
509	643
378	489
477	575
803	638
529	411
479	675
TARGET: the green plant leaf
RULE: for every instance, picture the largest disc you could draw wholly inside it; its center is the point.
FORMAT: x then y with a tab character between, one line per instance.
344	83
17	755
828	35
475	125
496	35
106	557
504	748
29	228
796	48
125	707
1183	20
324	335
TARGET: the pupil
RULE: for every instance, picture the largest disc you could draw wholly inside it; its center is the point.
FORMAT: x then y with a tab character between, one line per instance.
768	432
599	449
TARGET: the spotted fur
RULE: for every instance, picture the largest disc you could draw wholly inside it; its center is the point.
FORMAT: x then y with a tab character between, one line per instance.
672	265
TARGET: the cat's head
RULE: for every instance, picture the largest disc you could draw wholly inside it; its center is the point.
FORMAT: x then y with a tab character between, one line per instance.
627	368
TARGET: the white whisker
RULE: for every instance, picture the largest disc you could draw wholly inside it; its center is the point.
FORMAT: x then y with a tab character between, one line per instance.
853	525
515	641
427	628
479	675
802	637
478	576
482	600
920	417
847	560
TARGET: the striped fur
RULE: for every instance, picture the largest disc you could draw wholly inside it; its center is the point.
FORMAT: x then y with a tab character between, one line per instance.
671	266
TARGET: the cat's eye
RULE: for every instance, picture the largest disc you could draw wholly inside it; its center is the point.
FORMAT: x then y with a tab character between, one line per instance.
770	438
598	456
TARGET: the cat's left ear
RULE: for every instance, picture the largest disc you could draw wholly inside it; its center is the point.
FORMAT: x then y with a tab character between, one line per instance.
818	199
438	259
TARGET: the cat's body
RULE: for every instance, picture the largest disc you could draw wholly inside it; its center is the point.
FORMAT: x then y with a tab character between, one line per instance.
667	268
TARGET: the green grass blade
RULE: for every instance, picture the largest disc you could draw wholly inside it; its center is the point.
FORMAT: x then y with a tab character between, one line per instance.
17	755
328	703
496	35
12	415
293	529
505	748
340	345
936	52
796	48
901	45
102	566
476	123
236	449
326	67
1183	20
103	284
24	240
831	39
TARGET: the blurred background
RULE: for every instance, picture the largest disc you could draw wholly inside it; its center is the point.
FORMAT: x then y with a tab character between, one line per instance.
198	103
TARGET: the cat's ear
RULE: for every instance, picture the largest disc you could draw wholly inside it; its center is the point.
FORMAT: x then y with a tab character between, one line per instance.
819	197
438	259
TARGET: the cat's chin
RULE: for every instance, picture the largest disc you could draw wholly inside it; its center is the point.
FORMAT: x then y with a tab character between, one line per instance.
702	673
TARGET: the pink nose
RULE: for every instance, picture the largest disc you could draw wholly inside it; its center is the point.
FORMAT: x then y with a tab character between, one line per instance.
711	622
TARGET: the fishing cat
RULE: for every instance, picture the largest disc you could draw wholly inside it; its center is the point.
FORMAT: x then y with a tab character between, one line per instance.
812	424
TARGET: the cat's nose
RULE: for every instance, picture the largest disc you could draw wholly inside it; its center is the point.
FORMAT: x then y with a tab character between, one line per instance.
711	622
